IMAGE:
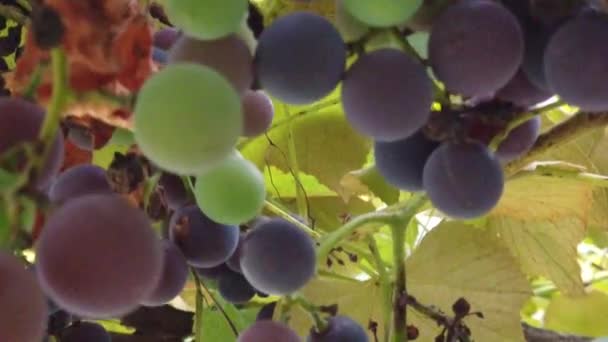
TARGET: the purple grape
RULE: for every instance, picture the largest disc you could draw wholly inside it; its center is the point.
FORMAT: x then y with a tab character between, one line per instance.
463	180
173	278
340	329
213	273
268	331
235	288
258	112
77	181
229	56
277	257
98	256
519	140
300	58
266	312
174	191
387	95
23	316
576	61
401	162
521	92
165	38
205	243
58	321
160	56
475	47
85	331
234	262
21	122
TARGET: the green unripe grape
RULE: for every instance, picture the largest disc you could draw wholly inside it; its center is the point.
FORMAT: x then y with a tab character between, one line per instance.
382	13
207	19
187	117
350	28
232	192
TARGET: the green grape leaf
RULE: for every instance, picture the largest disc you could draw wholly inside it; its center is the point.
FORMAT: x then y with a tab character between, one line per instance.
582	315
541	220
368	181
455	260
281	184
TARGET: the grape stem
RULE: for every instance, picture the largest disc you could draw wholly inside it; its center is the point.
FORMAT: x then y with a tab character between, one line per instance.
399	332
200	286
385	285
319	323
556	171
301	198
561	134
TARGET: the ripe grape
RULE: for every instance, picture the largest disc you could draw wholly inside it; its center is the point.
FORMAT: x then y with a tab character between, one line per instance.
349	27
536	40
576	61
475	47
85	331
258	112
98	256
187	117
277	257
235	288
207	19
387	95
300	58
426	14
268	331
160	56
401	162
519	140
213	273
21	121
77	181
165	38
234	262
173	190
173	278
232	192
229	56
463	180
266	312
58	321
521	92
24	308
340	328
382	13
205	243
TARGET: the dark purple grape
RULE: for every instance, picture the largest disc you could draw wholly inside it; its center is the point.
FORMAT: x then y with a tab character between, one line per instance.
533	65
268	331
98	256
340	329
165	38
173	278
229	56
234	262
160	56
258	112
463	180
58	321
85	331
21	122
23	316
519	140
521	92
213	273
82	137
174	191
387	95
475	47
401	162
77	181
205	243
46	26
266	312
235	288
576	62
277	257
300	58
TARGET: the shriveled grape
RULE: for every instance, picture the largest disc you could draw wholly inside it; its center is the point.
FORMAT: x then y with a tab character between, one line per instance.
277	257
387	95
463	180
187	117
205	243
475	47
79	180
300	58
98	256
173	277
268	331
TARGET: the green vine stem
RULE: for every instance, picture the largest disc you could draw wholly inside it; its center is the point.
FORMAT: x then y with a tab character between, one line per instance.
301	200
200	286
399	332
319	323
59	100
555	171
277	210
385	285
198	313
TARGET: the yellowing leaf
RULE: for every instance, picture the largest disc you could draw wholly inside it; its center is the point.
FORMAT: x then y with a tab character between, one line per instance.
585	315
283	185
455	260
541	220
